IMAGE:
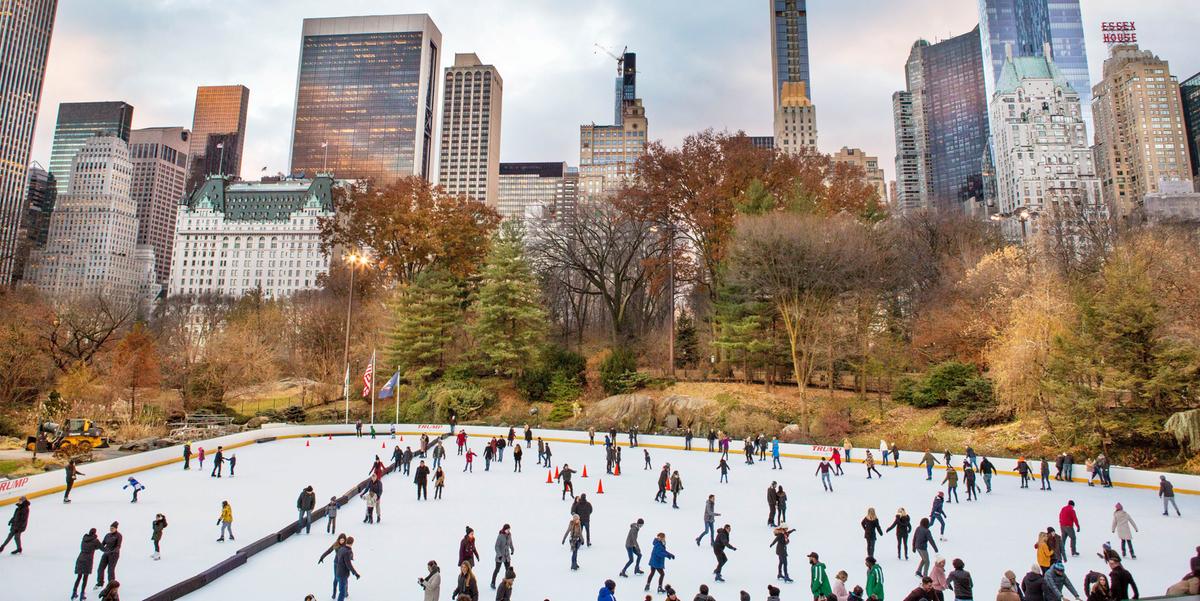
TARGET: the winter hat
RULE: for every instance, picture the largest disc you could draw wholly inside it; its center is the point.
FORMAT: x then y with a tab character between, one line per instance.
941	495
1006	584
469	530
1108	546
1035	568
1119	507
113	525
1009	575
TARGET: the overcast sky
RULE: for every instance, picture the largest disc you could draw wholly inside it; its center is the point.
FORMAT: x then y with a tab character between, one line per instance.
701	63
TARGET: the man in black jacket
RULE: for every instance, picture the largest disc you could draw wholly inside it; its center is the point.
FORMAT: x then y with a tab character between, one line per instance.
772	503
110	552
633	549
663	477
17	524
583	508
305	504
218	463
422	480
719	547
1120	581
343	567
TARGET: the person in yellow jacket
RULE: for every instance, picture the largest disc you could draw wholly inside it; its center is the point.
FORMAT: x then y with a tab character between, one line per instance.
1045	555
226	521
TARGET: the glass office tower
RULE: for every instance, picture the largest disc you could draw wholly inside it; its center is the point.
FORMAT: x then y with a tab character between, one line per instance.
220	115
365	97
77	123
789	45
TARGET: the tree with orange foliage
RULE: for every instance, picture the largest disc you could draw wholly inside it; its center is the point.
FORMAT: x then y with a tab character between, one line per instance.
135	364
410	226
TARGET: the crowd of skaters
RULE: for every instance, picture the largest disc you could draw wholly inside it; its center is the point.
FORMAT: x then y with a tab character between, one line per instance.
1047	580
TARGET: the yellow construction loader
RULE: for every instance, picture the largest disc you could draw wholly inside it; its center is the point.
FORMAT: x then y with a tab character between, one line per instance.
74	439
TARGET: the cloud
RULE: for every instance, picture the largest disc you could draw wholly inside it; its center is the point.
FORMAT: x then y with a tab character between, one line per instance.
702	63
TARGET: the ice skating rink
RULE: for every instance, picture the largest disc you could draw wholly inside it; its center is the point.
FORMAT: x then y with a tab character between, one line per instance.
992	535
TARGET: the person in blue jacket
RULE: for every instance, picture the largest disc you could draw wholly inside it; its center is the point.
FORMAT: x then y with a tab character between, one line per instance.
938	513
658	561
775	464
608	591
137	488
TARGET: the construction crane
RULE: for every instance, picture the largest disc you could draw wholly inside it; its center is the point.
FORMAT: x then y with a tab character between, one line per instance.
619	58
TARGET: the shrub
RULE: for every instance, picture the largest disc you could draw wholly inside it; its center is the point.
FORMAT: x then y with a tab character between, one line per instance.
561	410
464	398
973	404
563	389
295	414
533	384
556	359
938	385
904	389
619	362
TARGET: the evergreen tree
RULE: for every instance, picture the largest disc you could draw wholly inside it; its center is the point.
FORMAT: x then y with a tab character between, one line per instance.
425	317
509	321
687	345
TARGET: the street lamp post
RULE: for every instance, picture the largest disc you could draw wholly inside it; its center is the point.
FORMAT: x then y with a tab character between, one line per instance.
671	293
353	260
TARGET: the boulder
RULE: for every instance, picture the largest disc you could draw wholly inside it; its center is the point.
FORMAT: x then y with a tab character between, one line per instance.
791	433
625	410
139	445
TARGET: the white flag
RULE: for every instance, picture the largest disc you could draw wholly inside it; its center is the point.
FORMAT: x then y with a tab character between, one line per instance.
220	145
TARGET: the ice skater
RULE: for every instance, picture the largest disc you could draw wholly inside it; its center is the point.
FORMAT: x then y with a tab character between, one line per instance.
469	464
902	524
818	578
583	508
632	549
110	553
723	467
646	458
676	488
928	460
331	510
710	516
664	477
870	463
565	475
824	470
1045	474
136	486
71	472
517	453
200	458
937	514
658	561
988	470
1023	470
305	503
1121	524
875	580
343	567
575	534
969	480
225	521
780	542
156	533
775	462
781	503
337	544
467	586
1068	520
504	551
719	546
922	540
17	524
951	482
232	464
871	530
218	463
422	481
836	457
439	482
467	553
83	563
432	582
187	455
1166	491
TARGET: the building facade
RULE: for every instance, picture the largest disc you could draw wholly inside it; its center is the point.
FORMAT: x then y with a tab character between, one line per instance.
79	122
607	153
537	190
1044	166
1189	93
795	117
220	114
35	224
365	97
763	142
470	152
25	29
625	88
1175	202
1140	134
236	237
160	174
941	125
870	166
91	247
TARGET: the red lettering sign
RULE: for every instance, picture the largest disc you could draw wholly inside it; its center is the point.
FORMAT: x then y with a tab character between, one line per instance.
823	449
1119	32
13	484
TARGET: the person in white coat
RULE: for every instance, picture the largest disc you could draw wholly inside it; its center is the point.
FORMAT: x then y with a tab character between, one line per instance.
432	583
1120	525
884	449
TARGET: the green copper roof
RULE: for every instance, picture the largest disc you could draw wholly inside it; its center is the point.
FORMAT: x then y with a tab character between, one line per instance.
1019	68
268	201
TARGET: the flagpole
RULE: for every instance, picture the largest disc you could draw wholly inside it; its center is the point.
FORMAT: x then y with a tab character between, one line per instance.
346	391
396	396
373	386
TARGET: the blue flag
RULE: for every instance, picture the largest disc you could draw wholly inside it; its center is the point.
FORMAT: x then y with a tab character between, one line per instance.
390	387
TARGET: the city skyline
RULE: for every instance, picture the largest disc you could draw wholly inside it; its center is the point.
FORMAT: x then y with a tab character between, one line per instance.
554	52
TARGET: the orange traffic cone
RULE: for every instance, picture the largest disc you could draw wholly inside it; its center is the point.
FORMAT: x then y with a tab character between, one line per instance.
330	437
584	471
556	472
383	445
306	443
549	477
401	438
617	470
600	488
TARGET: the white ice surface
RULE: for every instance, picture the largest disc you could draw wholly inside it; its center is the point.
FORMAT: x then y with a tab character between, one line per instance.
992	535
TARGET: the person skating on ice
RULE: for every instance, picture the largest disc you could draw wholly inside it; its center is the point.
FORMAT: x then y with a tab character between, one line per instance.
17	525
72	472
343	567
781	503
969	482
574	534
466	548
676	488
135	486
928	460
1024	471
331	510
824	470
431	583
1166	491
1119	581
439	482
895	455
937	514
542	453
836	458
959	581
504	551
632	549
988	469
775	461
1045	474
504	593
565	474
1056	579
871	530
187	455
469	464
200	458
874	579
772	503
218	462
839	586
818	578
922	540
305	504
110	554
517	453
1121	524
583	508
870	463
951	482
924	591
658	560
337	544
421	479
938	575
646	460
225	521
156	533
723	467
664	476
719	546
902	524
780	543
1068	520
83	563
748	449
710	516
232	464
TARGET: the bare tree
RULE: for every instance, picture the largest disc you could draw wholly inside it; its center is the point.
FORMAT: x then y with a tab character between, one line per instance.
79	329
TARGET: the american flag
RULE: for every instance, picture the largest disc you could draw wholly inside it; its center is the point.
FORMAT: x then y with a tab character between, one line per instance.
367	377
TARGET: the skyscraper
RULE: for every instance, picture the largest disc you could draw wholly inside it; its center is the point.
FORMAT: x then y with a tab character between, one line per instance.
160	162
626	85
1044	164
365	97
608	153
1140	137
92	245
795	115
470	151
25	29
1189	92
35	224
941	125
539	190
220	113
79	122
870	166
1026	26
